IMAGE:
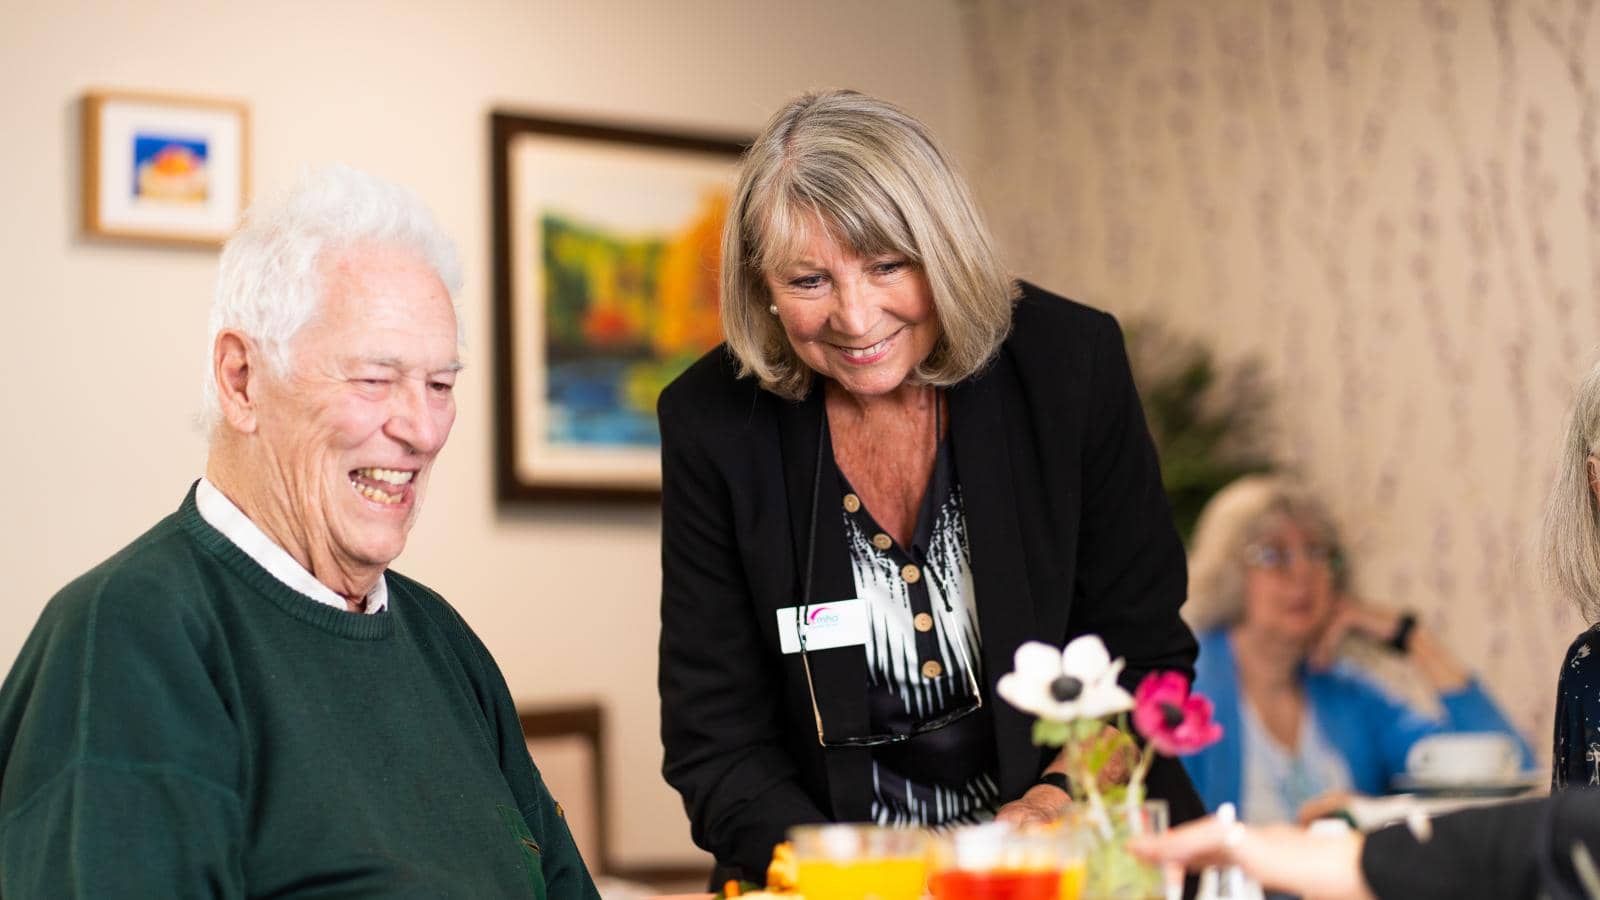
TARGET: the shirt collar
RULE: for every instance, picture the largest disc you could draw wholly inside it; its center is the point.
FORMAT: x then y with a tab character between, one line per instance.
220	513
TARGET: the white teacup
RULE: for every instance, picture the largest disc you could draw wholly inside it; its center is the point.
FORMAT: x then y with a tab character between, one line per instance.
1465	756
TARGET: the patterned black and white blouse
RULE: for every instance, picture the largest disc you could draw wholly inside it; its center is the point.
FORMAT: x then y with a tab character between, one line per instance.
1576	759
923	656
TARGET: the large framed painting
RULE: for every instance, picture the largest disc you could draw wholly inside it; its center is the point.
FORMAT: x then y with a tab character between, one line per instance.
606	245
164	168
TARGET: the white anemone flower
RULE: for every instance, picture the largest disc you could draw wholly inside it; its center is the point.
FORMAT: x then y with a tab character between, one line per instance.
1079	682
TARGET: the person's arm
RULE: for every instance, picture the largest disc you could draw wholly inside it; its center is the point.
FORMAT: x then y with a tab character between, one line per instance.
119	761
1520	849
561	865
1132	576
1467	707
1397	725
1280	857
1523	848
720	691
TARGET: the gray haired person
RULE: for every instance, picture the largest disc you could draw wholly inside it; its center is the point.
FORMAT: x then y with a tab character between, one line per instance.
246	701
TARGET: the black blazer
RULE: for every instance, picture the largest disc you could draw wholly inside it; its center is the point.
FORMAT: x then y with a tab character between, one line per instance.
1069	531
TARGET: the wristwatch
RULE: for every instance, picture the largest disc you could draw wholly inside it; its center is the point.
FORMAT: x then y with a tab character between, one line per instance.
1055	780
1402	632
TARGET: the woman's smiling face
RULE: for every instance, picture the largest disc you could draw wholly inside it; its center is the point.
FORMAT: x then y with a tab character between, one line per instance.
864	322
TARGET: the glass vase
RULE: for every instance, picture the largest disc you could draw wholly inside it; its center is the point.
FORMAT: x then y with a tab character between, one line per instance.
1111	872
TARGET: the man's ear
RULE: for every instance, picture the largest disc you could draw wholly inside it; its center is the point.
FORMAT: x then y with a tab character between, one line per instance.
236	365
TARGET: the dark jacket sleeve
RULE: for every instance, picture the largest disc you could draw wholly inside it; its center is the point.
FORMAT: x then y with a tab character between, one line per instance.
720	692
1132	577
1522	849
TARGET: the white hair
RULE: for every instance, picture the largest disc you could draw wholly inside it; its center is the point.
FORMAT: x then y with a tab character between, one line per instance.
1571	515
269	278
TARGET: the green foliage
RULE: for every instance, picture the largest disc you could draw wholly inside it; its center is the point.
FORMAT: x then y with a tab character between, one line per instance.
1208	421
1104	745
1048	733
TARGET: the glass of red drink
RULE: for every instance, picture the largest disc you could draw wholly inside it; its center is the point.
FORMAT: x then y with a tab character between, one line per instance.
999	862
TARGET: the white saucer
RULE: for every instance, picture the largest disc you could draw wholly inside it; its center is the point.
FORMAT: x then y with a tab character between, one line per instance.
1502	786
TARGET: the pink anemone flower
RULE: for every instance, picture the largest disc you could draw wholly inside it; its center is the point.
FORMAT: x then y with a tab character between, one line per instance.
1175	721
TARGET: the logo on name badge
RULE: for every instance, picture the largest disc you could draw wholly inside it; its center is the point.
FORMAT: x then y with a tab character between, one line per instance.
839	623
822	617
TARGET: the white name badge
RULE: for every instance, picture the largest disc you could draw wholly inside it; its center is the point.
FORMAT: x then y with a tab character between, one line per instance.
841	623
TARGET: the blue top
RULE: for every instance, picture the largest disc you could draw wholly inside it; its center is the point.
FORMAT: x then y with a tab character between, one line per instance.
1371	730
1576	759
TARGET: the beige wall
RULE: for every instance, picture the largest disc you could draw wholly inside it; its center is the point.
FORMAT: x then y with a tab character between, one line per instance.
103	344
1395	206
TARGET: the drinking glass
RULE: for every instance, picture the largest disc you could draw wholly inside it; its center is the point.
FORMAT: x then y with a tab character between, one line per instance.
999	862
859	862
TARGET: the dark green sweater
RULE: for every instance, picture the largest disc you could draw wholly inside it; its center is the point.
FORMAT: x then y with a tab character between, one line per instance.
182	724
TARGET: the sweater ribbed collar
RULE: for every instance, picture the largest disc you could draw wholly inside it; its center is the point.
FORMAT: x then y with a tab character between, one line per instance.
341	623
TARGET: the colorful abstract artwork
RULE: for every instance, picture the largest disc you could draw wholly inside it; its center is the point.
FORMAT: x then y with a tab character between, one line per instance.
624	315
169	169
607	245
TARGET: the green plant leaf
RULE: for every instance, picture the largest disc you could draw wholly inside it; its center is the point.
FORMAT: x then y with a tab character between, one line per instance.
1050	733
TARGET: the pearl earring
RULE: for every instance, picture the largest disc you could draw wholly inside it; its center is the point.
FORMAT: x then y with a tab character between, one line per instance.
772	308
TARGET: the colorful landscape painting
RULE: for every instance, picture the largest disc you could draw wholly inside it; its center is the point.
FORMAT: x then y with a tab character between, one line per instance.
624	315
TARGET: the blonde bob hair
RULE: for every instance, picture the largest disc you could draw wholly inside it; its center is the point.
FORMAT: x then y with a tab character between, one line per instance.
1571	516
1237	517
874	177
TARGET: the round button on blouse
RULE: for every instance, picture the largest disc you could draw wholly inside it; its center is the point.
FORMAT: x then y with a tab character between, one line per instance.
911	573
882	541
932	669
851	503
922	622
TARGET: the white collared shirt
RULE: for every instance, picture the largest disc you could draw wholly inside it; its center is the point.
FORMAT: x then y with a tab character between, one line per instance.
220	513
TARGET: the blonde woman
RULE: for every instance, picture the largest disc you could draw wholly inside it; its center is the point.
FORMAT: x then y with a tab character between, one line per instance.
1301	728
1572	561
914	464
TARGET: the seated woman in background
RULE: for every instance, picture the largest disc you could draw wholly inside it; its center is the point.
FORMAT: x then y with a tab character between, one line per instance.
1572	562
1301	730
1527	848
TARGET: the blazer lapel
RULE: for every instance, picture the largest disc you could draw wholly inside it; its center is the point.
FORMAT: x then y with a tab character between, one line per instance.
999	565
838	676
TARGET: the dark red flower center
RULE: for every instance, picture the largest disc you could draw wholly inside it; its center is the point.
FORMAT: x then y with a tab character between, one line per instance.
1171	715
1065	689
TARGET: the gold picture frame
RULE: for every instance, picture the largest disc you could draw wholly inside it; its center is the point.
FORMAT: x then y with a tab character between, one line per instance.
164	168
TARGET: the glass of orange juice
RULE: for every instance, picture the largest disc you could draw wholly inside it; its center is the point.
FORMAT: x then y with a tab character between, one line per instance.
999	862
859	862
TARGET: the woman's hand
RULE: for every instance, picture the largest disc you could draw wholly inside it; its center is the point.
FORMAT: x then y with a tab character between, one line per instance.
1041	805
1351	616
1444	672
1320	867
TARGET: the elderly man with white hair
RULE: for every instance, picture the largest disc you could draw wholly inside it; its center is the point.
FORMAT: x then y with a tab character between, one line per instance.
246	701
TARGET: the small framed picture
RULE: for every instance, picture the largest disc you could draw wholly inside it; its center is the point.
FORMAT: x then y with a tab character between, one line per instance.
606	244
168	169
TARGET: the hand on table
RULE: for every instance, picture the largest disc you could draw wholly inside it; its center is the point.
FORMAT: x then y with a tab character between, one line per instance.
1041	805
1323	806
1044	803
